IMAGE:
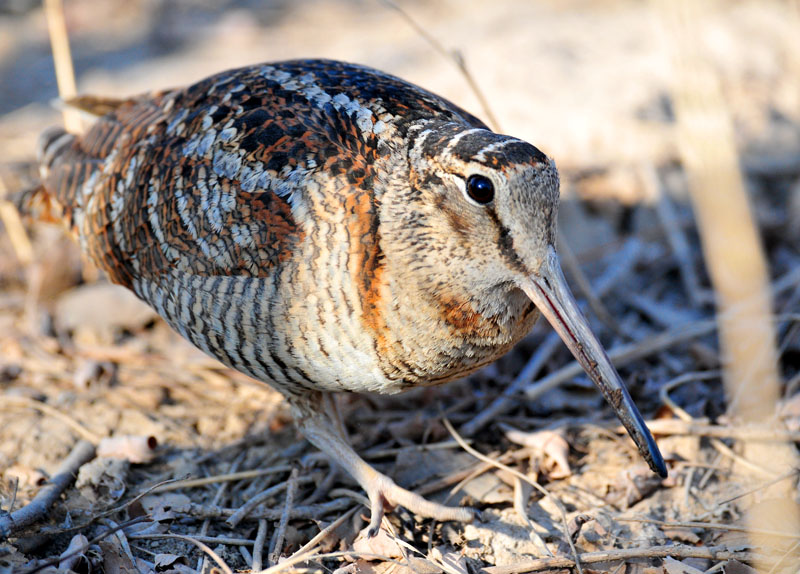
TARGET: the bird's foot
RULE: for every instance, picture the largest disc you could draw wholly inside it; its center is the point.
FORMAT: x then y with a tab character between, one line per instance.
322	430
384	494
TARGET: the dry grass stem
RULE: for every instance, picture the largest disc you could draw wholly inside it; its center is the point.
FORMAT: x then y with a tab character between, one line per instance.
62	59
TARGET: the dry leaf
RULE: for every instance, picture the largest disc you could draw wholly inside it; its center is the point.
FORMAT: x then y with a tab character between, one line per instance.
103	479
452	562
672	566
115	561
71	559
382	544
550	447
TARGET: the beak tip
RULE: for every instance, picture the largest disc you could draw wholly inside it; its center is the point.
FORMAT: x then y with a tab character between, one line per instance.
654	458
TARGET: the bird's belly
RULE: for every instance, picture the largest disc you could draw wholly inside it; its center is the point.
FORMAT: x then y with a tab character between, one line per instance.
274	329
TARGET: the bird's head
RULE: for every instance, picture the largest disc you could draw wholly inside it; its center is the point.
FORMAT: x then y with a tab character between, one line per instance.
491	201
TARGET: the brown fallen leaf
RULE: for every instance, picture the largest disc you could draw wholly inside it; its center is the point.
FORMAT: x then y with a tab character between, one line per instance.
550	447
382	544
115	561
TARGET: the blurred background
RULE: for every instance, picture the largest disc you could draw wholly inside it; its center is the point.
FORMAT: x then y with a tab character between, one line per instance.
588	81
592	83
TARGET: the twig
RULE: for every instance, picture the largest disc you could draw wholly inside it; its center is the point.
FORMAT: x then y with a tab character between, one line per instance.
229	477
277	547
676	551
307	511
576	562
455	56
225	540
258	545
792	473
521	495
13	496
711	526
37	508
223	487
248	506
675	235
322	534
15	230
119	534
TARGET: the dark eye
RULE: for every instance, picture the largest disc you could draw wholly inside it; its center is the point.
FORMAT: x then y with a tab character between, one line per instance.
480	189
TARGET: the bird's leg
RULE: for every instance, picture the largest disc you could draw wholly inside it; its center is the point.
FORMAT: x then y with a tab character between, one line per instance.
319	428
331	406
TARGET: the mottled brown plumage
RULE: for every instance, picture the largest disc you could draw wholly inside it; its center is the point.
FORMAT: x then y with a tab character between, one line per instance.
325	227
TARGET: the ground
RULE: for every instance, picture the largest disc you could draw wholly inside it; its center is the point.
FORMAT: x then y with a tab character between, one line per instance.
586	81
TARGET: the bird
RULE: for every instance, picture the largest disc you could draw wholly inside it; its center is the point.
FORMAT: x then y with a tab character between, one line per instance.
325	227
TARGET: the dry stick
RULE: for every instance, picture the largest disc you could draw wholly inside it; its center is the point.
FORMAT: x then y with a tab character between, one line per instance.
62	59
223	540
105	513
215	501
710	526
675	234
322	534
12	221
463	476
248	506
625	259
37	508
455	56
312	511
229	477
534	484
258	545
119	534
790	474
676	551
291	488
13	496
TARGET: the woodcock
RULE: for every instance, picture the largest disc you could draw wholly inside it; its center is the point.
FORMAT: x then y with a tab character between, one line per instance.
325	227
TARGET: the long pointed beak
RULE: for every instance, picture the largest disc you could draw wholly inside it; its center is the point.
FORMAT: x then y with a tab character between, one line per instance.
549	292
